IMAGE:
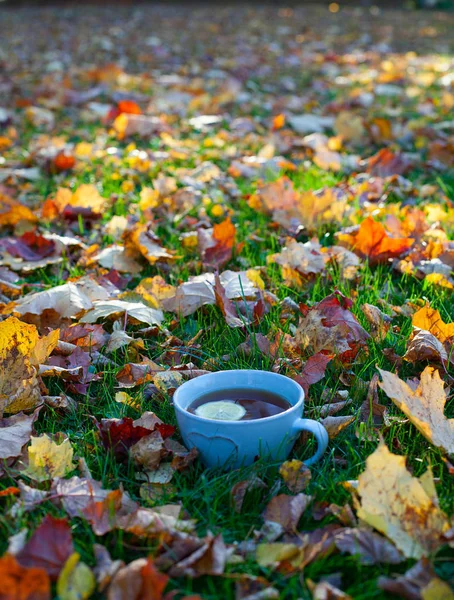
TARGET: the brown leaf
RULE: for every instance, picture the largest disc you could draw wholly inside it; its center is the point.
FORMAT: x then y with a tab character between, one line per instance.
15	432
424	406
22	583
106	568
219	252
386	163
254	588
326	591
49	547
334	425
371	548
423	346
378	321
330	326
226	305
286	510
295	475
418	583
240	489
208	559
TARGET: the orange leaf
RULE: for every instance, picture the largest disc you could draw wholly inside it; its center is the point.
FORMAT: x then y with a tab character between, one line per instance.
224	233
372	242
22	583
130	107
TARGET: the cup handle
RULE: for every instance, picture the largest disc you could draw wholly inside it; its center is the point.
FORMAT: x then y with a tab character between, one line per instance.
320	434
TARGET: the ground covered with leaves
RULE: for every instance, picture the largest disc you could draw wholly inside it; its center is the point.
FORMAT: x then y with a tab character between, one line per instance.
184	191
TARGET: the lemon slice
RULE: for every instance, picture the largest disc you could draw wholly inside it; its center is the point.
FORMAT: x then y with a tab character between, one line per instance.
222	410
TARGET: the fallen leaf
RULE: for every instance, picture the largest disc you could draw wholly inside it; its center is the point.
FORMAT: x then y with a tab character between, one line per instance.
422	346
48	459
430	320
219	252
76	580
329	326
373	243
424	406
379	322
418	583
334	425
106	568
15	432
386	163
370	547
286	510
227	307
406	509
19	389
240	489
49	547
254	588
113	309
326	591
23	583
296	475
313	370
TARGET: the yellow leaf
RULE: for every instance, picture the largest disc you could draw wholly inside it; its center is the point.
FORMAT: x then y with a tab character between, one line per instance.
268	554
430	319
437	589
47	459
295	475
439	279
398	505
76	580
19	389
44	347
424	406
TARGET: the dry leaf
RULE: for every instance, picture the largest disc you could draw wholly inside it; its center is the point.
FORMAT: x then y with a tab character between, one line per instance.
22	583
295	475
424	406
430	320
418	583
400	506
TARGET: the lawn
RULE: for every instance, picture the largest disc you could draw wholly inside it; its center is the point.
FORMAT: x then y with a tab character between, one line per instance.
284	156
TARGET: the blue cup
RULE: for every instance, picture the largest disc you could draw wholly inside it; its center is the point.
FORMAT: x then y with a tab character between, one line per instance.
233	444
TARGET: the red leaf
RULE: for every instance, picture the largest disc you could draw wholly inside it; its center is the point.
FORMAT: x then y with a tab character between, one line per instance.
165	430
119	435
49	547
30	246
314	370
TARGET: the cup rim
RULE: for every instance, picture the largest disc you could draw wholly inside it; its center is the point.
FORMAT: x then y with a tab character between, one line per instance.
293	407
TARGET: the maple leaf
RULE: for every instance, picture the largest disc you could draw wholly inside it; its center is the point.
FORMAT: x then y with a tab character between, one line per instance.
47	459
139	580
141	241
329	326
24	583
424	406
19	389
405	509
372	242
112	309
430	320
49	547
